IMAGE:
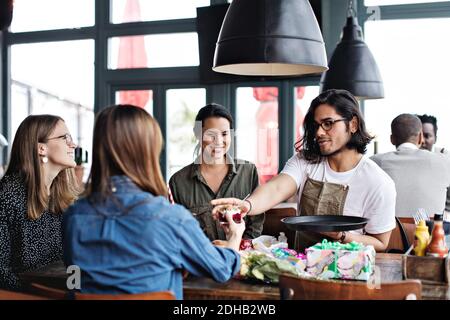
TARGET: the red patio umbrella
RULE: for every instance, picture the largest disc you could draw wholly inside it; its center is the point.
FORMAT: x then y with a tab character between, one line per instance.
132	54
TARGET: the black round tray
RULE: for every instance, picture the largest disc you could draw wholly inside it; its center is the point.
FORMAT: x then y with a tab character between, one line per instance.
324	223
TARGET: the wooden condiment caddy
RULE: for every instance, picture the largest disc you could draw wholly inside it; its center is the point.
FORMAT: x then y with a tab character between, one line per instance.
433	270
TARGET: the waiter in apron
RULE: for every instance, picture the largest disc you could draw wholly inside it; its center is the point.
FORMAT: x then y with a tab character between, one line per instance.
330	175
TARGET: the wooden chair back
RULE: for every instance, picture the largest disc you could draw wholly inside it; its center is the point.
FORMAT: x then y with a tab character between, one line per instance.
51	293
402	237
13	295
47	292
273	225
293	288
410	228
160	295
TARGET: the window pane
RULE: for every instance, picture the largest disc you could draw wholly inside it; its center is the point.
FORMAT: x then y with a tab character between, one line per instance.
140	98
303	97
414	64
389	2
257	129
32	15
60	81
182	107
135	10
19	93
153	51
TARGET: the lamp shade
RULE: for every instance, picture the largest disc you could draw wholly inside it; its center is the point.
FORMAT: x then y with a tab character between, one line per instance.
352	66
270	38
6	13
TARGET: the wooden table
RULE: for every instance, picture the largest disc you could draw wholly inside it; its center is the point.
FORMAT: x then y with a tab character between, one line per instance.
204	288
207	289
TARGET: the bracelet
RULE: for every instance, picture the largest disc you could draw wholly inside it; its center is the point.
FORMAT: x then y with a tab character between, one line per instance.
342	238
250	205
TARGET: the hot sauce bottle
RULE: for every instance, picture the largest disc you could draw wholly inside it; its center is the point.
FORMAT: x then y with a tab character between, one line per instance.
437	246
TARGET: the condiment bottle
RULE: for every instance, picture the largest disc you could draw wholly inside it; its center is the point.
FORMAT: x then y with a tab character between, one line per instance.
421	239
282	237
437	246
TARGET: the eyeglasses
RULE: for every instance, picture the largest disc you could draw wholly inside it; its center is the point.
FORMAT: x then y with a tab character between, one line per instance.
327	124
67	137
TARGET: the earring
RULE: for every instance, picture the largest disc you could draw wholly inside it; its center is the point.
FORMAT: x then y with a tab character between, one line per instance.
44	159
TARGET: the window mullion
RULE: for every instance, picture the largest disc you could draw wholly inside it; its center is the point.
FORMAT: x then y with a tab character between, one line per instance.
412	11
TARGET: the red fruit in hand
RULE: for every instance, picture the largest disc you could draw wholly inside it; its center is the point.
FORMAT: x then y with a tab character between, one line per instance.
237	217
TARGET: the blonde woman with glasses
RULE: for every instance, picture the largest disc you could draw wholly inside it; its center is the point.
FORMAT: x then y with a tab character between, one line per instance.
39	184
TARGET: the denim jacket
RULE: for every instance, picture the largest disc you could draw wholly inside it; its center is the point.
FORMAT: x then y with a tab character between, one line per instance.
139	243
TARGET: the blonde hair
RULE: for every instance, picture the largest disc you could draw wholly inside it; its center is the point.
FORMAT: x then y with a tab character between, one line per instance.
127	141
25	161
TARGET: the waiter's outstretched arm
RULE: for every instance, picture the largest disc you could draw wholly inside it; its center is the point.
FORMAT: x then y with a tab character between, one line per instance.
265	197
379	241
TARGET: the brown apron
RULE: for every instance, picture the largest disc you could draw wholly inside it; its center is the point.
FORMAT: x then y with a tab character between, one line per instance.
319	198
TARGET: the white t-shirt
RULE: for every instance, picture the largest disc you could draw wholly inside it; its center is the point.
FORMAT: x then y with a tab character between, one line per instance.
371	191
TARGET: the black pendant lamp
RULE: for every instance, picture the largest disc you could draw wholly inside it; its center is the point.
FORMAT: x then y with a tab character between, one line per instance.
6	13
270	38
352	66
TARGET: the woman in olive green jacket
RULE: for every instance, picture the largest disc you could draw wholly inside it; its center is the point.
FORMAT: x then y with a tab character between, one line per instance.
215	174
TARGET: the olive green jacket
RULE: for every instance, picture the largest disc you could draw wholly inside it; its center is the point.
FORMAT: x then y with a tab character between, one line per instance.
190	189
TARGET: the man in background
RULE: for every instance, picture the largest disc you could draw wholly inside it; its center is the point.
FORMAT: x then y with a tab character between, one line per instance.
421	177
429	128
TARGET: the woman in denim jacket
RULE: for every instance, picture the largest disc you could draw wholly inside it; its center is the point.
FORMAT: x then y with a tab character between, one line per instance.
124	234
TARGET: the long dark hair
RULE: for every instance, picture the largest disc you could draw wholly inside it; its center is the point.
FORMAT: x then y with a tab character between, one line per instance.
346	106
127	141
214	110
